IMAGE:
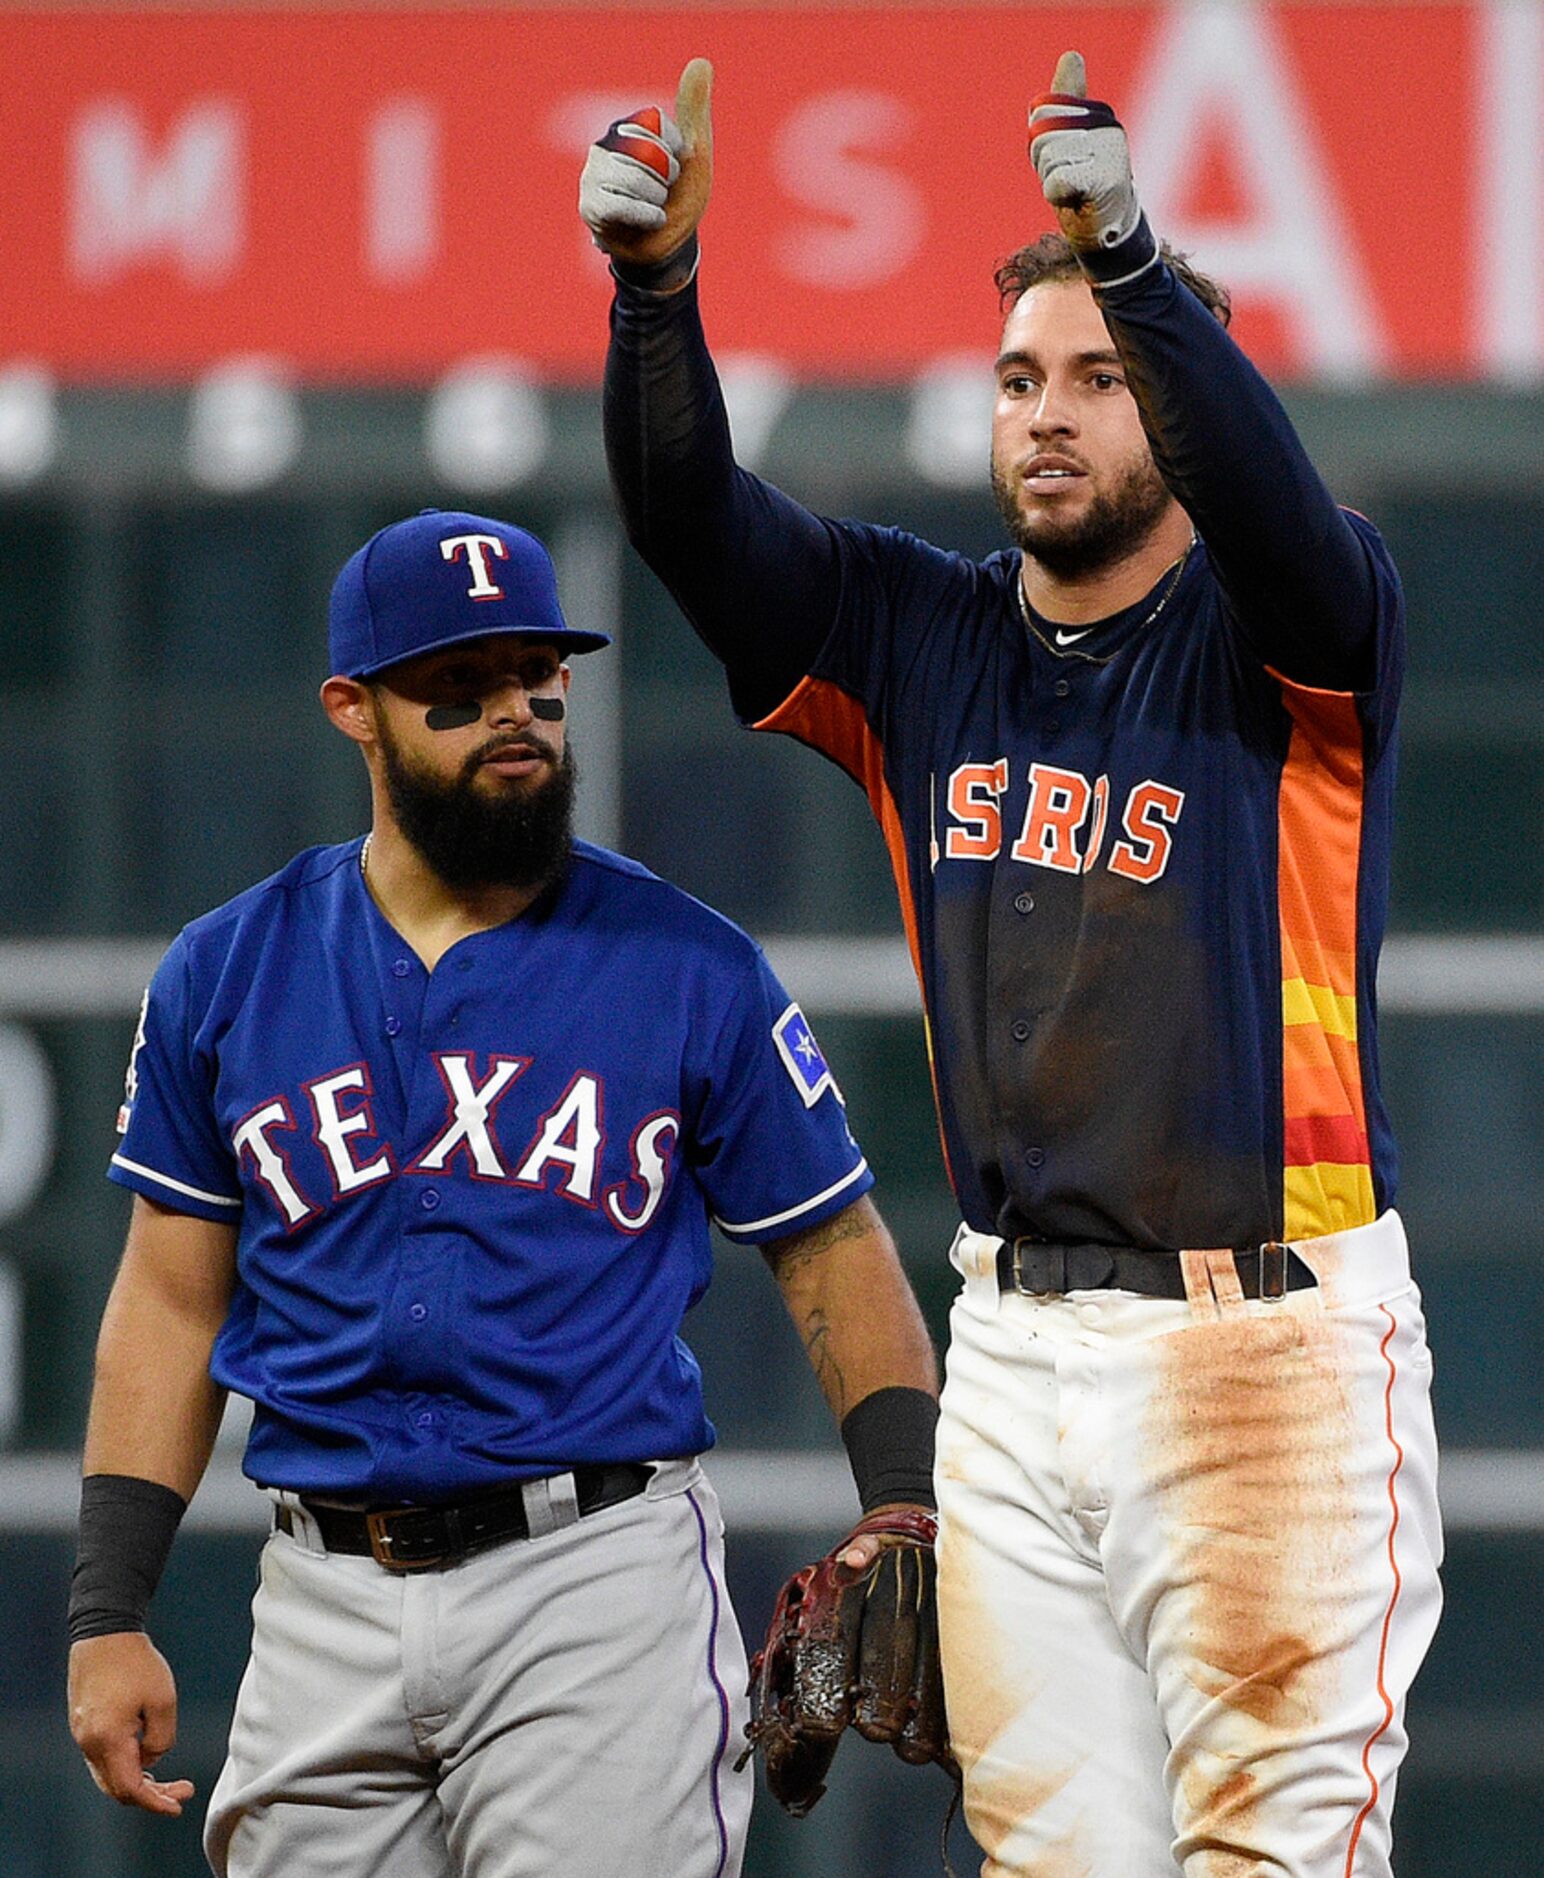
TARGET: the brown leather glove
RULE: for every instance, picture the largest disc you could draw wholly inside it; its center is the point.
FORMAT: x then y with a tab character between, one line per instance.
849	1647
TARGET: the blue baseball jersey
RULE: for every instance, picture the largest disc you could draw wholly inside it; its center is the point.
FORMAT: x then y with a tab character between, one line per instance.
472	1206
1143	866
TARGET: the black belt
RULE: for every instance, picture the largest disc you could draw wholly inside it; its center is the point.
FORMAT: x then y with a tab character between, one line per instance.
1029	1265
422	1538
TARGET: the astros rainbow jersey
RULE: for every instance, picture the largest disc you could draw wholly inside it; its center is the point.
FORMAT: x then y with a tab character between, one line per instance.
1142	867
473	1205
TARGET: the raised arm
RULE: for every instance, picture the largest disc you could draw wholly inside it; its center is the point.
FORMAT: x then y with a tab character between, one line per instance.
754	572
154	1416
1302	582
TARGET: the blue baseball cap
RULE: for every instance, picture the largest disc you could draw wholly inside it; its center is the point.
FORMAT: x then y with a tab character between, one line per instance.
438	579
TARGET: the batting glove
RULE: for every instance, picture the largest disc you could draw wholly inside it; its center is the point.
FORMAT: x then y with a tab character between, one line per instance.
645	183
1080	153
627	175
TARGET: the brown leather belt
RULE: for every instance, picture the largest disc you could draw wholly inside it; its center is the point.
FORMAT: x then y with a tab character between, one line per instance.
1033	1266
427	1538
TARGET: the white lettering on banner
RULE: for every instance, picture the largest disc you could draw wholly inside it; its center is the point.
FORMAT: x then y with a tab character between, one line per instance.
877	215
571	1135
652	1147
27	1110
269	1163
29	423
1219	65
757	390
132	206
473	1103
244	426
477	548
1507	110
333	1127
402	207
485	426
949	423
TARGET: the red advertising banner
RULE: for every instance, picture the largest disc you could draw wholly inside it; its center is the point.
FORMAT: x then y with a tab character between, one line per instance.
376	196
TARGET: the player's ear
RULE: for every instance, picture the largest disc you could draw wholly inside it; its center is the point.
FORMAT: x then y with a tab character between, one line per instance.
351	708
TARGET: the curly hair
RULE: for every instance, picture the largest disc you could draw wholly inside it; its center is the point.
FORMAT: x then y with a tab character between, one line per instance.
1052	258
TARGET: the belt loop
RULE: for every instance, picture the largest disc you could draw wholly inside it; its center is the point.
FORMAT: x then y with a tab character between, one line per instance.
300	1525
1212	1283
974	1256
1273	1271
550	1504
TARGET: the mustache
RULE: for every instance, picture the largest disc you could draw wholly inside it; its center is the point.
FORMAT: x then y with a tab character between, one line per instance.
523	742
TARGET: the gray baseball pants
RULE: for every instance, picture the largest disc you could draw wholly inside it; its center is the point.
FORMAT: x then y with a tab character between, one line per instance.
570	1703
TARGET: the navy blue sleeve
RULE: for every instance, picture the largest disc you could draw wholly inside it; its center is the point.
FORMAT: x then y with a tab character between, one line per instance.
1308	593
758	577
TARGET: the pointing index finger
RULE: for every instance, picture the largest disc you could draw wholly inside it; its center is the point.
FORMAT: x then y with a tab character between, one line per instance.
1070	77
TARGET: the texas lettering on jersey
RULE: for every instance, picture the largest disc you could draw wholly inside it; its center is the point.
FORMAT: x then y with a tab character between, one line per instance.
560	1151
1064	823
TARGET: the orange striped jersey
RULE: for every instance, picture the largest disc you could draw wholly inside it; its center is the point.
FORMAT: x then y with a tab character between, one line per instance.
1143	866
1144	879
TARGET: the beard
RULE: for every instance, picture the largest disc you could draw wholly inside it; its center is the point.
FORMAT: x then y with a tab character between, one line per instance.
473	840
1113	527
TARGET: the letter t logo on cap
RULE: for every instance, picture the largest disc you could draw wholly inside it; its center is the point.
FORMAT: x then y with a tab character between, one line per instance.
483	586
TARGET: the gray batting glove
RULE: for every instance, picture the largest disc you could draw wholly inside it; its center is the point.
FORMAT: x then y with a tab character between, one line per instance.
646	182
626	179
1080	154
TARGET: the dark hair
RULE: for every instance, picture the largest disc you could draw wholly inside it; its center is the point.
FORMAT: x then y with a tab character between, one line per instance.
1052	258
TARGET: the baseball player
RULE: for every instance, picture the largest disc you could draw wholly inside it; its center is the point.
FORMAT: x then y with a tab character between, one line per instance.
425	1133
1135	773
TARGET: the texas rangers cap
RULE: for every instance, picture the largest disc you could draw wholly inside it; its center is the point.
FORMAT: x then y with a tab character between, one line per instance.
440	578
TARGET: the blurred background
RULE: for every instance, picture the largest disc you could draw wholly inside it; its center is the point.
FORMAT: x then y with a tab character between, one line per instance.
269	279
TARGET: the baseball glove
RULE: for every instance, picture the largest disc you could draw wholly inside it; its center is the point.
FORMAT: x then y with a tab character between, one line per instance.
849	1647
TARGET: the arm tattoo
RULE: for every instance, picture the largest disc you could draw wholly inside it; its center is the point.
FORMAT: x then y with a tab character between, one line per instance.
801	1248
816	1331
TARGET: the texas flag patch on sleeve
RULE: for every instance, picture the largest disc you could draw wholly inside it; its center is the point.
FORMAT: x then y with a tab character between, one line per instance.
801	1056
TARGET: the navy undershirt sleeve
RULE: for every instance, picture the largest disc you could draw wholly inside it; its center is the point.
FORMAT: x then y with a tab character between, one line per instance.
757	575
1300	582
760	577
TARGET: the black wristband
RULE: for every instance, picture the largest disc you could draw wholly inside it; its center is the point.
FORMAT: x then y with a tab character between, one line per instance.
1128	260
126	1530
661	276
889	1441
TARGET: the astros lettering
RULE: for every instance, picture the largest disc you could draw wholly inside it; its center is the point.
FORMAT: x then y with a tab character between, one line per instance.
1061	804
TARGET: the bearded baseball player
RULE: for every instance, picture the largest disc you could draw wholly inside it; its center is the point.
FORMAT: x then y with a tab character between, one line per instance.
425	1134
1136	774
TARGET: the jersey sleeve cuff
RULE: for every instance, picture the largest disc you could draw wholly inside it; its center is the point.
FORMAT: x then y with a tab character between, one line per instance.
1128	260
833	1199
168	1191
665	277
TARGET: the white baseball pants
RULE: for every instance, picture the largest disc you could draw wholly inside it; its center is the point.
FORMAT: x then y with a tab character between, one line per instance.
1188	1562
566	1704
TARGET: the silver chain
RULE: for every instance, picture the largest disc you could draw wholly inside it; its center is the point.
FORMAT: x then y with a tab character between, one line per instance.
1029	618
